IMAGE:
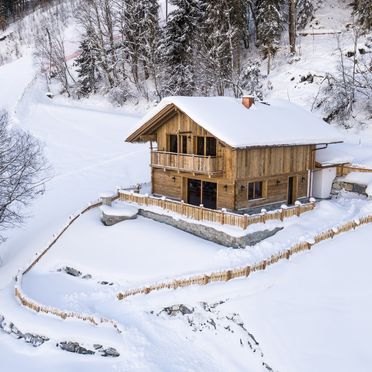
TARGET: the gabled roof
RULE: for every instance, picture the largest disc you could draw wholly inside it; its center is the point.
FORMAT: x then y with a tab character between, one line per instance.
273	123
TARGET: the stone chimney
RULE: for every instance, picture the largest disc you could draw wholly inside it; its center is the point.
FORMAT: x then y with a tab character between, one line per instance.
247	101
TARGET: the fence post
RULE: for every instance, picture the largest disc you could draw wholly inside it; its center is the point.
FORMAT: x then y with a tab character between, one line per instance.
312	201
264	215
223	210
281	214
201	212
298	208
246	216
228	275
163	202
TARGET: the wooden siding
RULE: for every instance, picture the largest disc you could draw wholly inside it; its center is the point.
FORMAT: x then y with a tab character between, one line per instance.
163	183
275	190
270	161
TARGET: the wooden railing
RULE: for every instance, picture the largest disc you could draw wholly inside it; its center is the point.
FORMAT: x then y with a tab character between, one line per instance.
343	170
222	217
209	165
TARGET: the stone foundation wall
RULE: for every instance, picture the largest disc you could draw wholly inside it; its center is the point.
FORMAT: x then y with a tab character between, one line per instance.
210	233
339	185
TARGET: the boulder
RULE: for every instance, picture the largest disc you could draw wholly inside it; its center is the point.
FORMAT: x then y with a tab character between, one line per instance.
71	271
15	331
35	340
111	215
177	309
111	352
74	347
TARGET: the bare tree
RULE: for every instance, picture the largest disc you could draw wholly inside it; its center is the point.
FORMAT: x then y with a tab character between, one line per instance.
351	85
22	173
50	52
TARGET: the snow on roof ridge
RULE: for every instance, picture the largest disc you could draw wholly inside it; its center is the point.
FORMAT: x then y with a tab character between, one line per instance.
274	122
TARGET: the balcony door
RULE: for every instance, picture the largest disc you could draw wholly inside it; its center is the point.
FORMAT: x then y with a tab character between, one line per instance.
202	192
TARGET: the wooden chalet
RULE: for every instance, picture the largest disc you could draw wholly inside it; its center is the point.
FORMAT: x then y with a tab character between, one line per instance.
223	152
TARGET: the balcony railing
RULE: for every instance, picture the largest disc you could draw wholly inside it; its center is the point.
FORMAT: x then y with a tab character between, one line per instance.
198	164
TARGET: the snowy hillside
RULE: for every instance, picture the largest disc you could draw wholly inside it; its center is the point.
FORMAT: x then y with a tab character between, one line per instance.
310	313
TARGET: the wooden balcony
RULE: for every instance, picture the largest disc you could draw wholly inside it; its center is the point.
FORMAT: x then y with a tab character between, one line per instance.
190	163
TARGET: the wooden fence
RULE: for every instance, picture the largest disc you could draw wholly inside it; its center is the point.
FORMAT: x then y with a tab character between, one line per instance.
344	170
218	216
63	314
39	308
227	275
221	276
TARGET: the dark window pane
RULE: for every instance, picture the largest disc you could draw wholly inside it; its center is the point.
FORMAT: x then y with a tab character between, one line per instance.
200	146
209	195
211	146
250	190
257	190
184	145
173	143
194	192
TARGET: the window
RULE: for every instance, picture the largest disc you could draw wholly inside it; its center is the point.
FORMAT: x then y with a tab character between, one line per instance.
255	190
173	143
206	146
200	145
184	144
211	146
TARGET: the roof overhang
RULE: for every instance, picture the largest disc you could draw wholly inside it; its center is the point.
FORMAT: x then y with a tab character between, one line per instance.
147	131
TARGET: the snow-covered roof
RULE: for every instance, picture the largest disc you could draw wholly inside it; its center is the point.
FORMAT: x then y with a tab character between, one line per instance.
276	122
332	156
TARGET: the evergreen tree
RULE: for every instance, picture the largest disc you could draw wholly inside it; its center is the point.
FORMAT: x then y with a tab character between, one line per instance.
270	22
3	14
150	32
86	63
269	25
305	11
141	34
177	47
363	9
219	46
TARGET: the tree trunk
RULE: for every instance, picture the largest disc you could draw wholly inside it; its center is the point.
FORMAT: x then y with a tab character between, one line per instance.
292	26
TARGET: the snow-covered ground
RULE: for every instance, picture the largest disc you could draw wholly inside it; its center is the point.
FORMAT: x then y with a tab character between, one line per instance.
311	313
123	255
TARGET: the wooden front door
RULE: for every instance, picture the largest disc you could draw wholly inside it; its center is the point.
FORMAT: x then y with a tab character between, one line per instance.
291	191
202	192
